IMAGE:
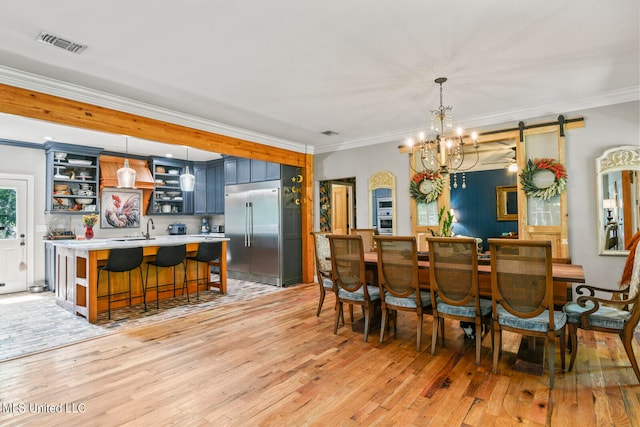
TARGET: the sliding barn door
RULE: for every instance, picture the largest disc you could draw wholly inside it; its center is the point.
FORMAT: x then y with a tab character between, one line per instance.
544	219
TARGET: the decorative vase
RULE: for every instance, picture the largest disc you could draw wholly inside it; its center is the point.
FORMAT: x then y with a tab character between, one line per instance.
88	232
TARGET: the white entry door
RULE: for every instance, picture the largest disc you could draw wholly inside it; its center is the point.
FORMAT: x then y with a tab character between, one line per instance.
13	229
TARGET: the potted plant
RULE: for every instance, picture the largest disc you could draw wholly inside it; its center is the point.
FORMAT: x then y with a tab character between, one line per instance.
445	223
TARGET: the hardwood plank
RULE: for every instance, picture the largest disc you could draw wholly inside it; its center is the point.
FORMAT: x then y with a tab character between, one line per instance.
271	361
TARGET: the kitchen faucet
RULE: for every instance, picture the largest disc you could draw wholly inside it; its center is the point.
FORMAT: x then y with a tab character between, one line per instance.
153	227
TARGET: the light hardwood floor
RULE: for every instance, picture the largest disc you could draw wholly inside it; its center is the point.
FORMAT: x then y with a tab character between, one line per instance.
271	361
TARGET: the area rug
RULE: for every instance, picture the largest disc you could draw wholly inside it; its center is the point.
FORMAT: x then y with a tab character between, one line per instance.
33	322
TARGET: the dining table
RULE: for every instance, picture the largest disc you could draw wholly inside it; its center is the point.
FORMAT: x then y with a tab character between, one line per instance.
564	275
530	358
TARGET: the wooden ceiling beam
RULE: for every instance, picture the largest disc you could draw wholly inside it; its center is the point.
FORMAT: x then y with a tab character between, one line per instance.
51	108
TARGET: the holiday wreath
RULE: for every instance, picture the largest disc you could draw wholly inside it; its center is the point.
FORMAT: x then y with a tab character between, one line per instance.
536	165
425	193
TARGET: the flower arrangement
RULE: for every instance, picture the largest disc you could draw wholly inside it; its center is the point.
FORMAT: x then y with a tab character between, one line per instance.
90	220
536	165
435	189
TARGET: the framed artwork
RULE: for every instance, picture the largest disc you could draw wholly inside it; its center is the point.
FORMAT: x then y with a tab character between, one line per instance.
120	208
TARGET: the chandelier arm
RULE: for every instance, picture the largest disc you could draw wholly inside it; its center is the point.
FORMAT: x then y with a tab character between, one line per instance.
470	167
411	163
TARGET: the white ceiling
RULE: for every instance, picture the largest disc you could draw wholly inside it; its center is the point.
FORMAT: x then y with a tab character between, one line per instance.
283	71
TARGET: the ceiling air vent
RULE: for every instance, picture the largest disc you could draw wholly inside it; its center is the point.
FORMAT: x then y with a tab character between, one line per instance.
56	41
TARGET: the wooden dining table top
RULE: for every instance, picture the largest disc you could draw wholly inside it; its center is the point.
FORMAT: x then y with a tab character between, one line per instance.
570	273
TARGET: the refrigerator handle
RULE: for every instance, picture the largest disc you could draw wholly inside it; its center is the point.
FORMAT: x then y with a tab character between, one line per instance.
246	225
250	219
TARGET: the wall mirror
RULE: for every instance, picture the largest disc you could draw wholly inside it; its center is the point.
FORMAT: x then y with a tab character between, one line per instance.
618	196
382	202
506	203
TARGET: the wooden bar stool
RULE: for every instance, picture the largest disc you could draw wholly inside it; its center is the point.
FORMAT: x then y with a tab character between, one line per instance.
208	252
167	257
121	260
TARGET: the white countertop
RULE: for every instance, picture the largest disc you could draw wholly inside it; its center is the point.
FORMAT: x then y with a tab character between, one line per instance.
125	242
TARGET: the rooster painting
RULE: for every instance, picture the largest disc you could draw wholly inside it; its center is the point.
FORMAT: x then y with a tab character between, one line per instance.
121	209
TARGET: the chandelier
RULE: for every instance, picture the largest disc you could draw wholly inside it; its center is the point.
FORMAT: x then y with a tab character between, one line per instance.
443	150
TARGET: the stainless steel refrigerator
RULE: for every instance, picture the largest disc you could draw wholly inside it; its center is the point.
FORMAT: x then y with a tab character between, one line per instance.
253	225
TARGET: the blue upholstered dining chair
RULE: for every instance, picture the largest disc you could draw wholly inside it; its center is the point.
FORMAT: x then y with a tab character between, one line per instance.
522	296
348	275
453	281
398	281
618	314
323	265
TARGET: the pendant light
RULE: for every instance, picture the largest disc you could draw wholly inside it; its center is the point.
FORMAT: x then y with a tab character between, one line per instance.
126	175
187	180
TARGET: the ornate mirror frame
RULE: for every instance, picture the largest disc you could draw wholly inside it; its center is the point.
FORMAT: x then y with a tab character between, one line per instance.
383	179
617	198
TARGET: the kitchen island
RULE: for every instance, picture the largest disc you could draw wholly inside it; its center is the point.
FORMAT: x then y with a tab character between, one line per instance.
77	263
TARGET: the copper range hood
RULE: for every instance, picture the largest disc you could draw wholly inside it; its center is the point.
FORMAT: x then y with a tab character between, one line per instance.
109	166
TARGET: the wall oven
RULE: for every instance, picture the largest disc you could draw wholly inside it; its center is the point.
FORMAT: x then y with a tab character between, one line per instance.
384	215
385	225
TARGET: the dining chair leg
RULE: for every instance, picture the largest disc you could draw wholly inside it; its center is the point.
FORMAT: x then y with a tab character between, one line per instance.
367	321
563	347
628	347
478	340
394	318
322	293
351	312
338	311
383	323
551	343
496	350
434	334
573	336
490	327
419	333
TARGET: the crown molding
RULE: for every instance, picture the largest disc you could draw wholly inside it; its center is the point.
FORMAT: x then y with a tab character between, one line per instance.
619	96
66	90
54	87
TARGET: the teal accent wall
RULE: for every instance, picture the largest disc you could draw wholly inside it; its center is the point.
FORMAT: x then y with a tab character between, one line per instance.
475	206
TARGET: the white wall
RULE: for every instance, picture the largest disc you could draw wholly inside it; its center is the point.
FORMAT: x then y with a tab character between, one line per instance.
25	161
604	128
